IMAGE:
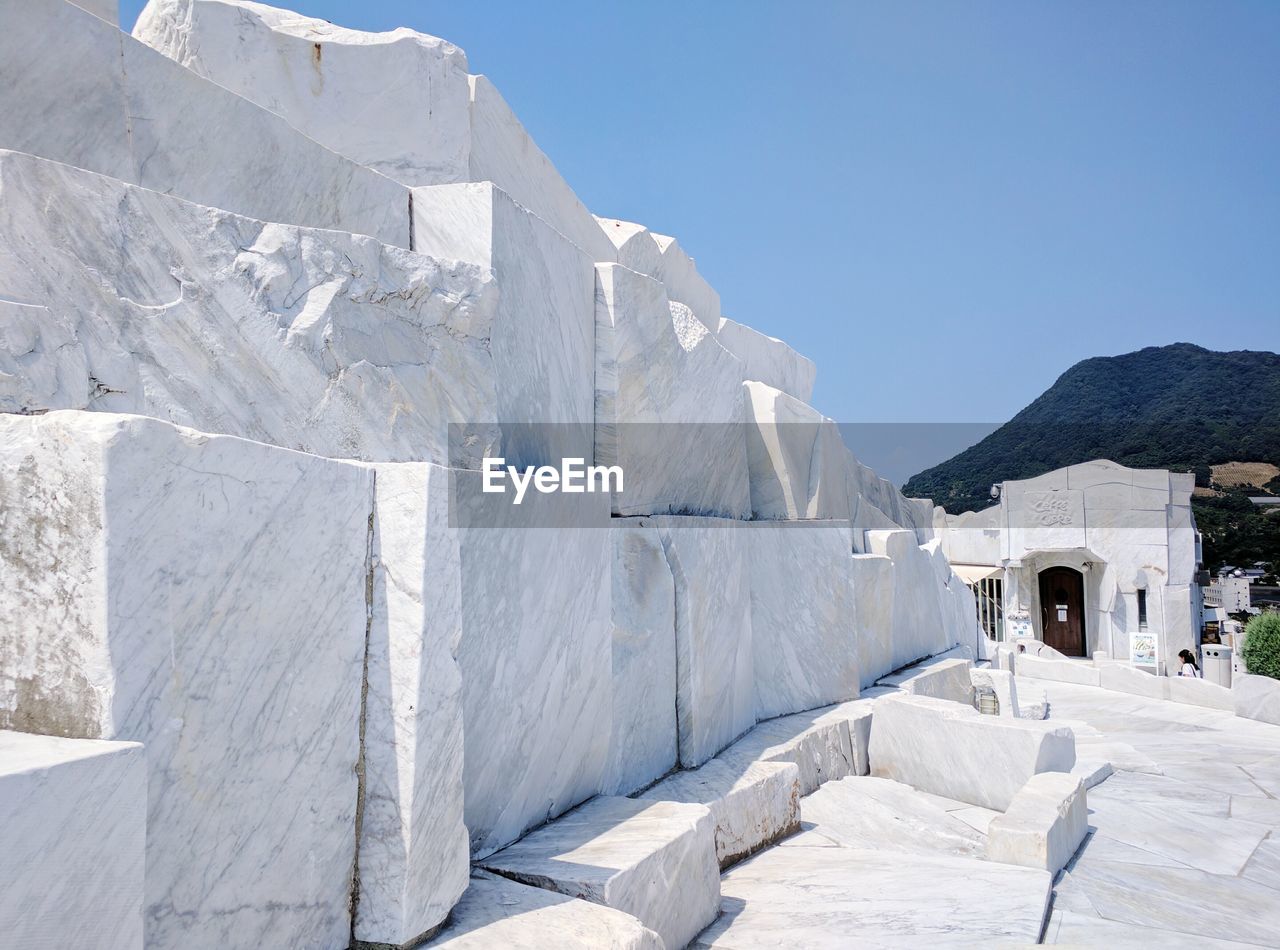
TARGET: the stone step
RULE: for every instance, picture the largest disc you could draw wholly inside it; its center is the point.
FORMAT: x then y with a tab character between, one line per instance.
1044	825
880	814
655	860
832	897
496	912
751	806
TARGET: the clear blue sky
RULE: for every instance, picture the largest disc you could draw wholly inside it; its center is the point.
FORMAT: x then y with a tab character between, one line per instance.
945	204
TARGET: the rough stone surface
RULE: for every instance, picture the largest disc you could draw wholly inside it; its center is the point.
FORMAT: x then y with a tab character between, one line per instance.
74	813
1002	683
817	742
536	627
857	713
495	912
918	629
951	750
715	679
121	300
941	678
828	898
413	860
803	628
653	860
155	592
1256	697
642	744
669	403
751	807
397	102
543	329
1044	825
124	110
768	360
677	270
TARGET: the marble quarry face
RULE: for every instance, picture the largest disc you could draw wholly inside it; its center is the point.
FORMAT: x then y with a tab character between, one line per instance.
272	291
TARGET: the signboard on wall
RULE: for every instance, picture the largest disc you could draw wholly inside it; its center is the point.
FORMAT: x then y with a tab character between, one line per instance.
1142	649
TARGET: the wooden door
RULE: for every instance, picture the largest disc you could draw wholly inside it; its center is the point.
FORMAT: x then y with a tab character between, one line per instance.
1062	609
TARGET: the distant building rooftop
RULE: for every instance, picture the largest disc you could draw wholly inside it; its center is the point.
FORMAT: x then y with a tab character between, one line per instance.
1265	500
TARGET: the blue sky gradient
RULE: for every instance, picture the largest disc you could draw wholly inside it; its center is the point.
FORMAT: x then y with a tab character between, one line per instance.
944	204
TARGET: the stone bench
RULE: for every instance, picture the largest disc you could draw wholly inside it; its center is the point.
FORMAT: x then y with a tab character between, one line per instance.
818	742
1062	671
1254	697
74	816
1044	825
951	750
942	678
751	806
653	860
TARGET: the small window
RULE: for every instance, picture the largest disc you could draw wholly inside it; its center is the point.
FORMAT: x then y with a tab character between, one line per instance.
1142	610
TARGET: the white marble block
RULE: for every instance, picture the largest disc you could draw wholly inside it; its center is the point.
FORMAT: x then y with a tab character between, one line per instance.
803	625
108	10
503	152
768	360
543	331
653	860
941	677
677	270
74	814
206	596
1060	670
122	300
75	89
919	629
1253	696
715	679
669	404
818	742
951	750
635	246
751	807
873	592
536	665
398	102
642	743
1002	683
796	459
413	857
1044	825
1127	679
496	912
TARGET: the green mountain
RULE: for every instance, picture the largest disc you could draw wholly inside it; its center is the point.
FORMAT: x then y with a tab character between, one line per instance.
1179	407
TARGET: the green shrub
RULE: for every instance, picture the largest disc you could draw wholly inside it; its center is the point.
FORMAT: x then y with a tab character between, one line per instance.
1261	650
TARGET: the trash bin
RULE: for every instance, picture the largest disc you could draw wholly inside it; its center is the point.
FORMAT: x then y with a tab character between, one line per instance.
1216	659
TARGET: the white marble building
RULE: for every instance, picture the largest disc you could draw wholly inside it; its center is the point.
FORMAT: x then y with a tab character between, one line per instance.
1090	558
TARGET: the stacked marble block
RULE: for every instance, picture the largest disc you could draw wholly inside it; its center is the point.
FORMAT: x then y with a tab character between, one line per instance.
393	275
74	814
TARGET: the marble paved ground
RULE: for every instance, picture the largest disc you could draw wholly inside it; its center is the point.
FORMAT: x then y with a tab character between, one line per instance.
1185	851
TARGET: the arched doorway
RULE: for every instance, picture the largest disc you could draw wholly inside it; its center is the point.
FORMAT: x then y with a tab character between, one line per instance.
1062	609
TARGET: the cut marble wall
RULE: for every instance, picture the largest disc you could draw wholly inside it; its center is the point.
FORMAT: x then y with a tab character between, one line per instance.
413	850
122	300
636	249
398	102
642	743
715	679
796	459
161	587
503	152
768	360
918	628
108	10
536	664
669	405
804	632
74	814
677	270
543	330
873	595
101	100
